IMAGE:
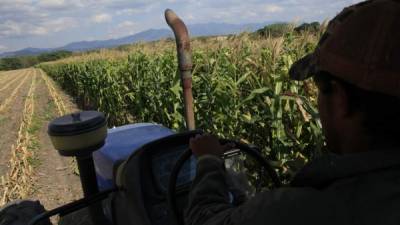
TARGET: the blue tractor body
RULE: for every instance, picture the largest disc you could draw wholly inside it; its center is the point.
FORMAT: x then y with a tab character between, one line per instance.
120	143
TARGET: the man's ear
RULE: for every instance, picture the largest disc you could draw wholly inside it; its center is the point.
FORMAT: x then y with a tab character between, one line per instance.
340	99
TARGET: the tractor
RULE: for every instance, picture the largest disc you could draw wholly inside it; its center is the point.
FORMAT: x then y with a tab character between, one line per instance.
140	174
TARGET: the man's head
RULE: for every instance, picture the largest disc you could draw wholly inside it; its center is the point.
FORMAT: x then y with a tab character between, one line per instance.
355	119
356	66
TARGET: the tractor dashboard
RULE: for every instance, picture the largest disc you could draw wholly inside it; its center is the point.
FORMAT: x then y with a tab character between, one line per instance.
144	182
162	164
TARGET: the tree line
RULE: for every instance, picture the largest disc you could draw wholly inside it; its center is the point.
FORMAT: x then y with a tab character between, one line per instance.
279	29
19	62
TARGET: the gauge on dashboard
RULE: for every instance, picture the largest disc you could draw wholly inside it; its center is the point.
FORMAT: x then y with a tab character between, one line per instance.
163	162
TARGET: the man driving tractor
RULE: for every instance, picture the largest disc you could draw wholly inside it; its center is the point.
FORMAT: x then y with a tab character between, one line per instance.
356	67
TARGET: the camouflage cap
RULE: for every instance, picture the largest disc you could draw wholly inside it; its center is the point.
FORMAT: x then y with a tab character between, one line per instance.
361	46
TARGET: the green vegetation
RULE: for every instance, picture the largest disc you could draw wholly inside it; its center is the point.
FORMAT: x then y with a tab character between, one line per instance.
10	64
280	29
13	63
310	27
275	30
34	144
241	90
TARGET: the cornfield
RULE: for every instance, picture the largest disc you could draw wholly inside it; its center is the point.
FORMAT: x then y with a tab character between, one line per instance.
241	89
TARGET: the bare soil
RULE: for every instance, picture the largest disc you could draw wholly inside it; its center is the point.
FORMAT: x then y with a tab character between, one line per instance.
11	115
54	180
56	184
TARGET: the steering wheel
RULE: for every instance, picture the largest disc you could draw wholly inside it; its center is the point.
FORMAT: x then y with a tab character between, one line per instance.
242	147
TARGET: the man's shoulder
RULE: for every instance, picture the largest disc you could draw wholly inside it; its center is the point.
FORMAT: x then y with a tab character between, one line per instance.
294	196
299	205
369	198
331	168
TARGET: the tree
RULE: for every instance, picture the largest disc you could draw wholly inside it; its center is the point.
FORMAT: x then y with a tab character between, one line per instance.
11	63
51	56
310	27
274	30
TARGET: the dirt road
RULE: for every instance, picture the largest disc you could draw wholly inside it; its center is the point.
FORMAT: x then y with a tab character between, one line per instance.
29	166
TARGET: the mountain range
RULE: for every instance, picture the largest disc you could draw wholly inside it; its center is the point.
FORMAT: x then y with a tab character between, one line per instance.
208	29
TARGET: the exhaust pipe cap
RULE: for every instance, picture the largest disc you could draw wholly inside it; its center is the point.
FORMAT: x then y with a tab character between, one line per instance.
78	133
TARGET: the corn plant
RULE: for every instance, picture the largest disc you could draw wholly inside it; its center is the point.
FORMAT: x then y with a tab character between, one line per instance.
241	90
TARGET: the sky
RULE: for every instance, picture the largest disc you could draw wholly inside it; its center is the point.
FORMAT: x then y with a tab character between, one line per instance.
54	23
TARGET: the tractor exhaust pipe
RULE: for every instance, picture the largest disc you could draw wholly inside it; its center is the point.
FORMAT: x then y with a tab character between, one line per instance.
185	63
79	135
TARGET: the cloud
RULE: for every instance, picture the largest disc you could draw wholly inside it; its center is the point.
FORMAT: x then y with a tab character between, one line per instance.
59	4
31	20
128	11
124	4
272	8
18	10
101	18
133	8
26	18
14	29
232	11
122	29
2	48
126	24
60	24
11	28
38	31
52	4
133	11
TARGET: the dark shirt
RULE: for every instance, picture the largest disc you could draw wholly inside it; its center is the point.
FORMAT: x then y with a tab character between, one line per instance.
361	188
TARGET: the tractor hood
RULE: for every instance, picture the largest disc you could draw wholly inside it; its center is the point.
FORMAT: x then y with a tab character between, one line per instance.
121	142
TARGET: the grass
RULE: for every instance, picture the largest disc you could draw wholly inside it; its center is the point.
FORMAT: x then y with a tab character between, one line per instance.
3	118
34	144
50	111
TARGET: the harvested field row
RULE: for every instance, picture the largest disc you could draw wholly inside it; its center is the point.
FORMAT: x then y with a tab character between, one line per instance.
12	101
8	82
30	168
12	96
61	108
5	77
17	183
55	180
